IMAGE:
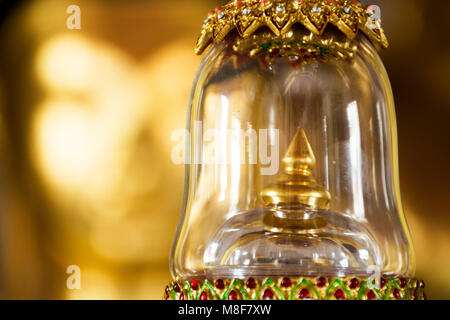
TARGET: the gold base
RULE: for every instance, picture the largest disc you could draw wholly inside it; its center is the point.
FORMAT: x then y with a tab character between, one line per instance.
303	288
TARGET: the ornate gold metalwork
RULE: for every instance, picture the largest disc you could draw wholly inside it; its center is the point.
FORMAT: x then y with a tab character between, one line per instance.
296	185
299	288
296	191
296	48
281	17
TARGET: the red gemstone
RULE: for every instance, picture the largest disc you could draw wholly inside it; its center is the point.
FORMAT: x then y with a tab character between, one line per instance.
167	290
194	284
219	284
251	283
371	295
416	297
182	296
265	1
176	287
286	282
218	8
203	296
403	282
321	282
354	283
382	282
239	3
232	295
304	294
339	294
167	298
268	294
397	294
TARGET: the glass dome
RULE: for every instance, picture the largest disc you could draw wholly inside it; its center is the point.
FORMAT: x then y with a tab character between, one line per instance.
292	169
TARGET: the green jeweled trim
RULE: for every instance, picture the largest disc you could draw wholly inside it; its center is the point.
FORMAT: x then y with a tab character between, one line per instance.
335	285
323	289
301	285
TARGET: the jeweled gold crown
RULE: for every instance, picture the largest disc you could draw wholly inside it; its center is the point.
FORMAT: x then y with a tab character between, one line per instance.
281	17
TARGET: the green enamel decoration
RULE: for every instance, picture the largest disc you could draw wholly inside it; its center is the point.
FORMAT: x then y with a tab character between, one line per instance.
323	52
301	283
235	284
372	286
266	46
172	292
272	285
408	290
187	286
394	283
419	294
411	289
333	285
208	286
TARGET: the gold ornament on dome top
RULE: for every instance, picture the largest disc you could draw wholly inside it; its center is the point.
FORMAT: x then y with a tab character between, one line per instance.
293	46
275	27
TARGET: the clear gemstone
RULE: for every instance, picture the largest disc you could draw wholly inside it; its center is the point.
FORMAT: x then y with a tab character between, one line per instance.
281	9
293	58
316	9
347	10
220	15
246	11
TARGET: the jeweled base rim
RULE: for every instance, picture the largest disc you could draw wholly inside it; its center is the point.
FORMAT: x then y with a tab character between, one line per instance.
302	288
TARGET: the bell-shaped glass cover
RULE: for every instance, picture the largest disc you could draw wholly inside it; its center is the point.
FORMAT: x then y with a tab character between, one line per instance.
292	170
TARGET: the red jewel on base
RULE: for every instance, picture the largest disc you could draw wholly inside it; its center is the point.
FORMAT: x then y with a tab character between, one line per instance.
286	282
232	295
321	282
304	294
194	284
219	284
371	295
339	294
354	283
251	283
268	294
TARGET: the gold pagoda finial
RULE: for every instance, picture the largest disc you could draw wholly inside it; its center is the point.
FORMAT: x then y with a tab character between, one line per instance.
299	157
296	186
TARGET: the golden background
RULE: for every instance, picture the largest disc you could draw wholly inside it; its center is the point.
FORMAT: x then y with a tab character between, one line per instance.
86	118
